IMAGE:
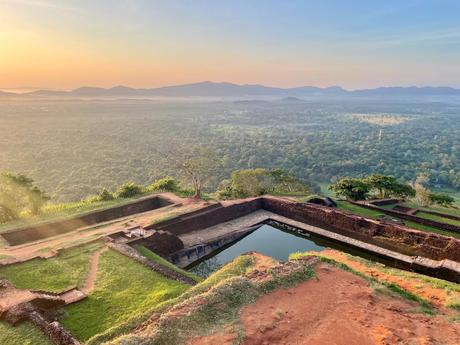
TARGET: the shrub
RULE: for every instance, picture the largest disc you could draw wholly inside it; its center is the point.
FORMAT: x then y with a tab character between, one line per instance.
128	190
166	184
105	195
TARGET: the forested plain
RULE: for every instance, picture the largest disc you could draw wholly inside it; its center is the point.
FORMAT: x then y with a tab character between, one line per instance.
74	148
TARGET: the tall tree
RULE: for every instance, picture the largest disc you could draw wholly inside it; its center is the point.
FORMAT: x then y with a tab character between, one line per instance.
350	188
18	193
387	186
195	165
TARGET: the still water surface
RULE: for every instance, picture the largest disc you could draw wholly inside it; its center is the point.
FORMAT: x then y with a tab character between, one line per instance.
266	240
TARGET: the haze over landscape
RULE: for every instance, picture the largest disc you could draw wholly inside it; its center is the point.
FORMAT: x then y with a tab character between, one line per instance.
49	44
229	172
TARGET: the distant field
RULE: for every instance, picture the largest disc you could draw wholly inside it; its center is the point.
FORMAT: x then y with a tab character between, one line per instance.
123	288
74	148
382	119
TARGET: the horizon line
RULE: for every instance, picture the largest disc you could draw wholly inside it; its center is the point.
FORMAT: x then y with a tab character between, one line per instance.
34	89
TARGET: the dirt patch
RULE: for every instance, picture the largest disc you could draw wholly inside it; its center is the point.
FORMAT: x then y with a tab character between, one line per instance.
92	274
436	295
336	308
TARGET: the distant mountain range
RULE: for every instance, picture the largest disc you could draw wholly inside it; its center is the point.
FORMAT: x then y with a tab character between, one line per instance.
212	89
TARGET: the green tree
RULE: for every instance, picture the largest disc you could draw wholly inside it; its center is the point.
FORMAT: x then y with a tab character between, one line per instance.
421	193
387	186
441	199
250	182
350	188
17	194
255	182
198	169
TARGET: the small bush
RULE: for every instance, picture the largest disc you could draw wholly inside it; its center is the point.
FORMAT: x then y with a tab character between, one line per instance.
105	195
166	184
128	190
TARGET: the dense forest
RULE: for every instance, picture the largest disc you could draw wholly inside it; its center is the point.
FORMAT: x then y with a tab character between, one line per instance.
75	148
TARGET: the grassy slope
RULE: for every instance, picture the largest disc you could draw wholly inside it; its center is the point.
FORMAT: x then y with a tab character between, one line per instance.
221	298
23	334
438	218
68	269
237	267
152	256
124	288
364	212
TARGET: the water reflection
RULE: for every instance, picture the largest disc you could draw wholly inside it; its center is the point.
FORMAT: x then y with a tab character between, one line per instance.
266	240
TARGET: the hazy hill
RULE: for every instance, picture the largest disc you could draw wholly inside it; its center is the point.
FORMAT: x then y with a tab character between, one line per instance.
212	89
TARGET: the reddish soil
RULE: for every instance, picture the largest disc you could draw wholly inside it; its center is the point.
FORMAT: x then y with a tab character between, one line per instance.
412	283
10	297
336	308
92	274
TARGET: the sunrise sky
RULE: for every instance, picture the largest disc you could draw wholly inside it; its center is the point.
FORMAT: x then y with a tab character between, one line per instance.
146	43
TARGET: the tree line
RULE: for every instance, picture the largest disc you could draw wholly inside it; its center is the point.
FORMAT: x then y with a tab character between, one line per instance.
377	186
20	197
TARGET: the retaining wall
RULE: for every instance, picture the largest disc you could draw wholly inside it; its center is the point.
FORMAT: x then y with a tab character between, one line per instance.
44	230
411	217
54	330
444	215
126	250
207	218
390	236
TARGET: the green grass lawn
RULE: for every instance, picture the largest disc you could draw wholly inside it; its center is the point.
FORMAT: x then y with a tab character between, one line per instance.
358	210
23	334
124	288
364	212
152	256
445	210
68	269
237	267
438	218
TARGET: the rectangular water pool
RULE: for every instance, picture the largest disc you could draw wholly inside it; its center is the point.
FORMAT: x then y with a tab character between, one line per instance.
266	240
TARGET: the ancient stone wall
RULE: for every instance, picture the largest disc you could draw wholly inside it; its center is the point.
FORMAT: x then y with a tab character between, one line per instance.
444	215
54	330
153	265
390	236
382	202
411	217
201	220
161	242
48	229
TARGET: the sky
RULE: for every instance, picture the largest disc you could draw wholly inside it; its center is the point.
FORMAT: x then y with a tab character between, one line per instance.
64	44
